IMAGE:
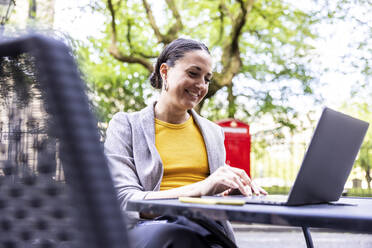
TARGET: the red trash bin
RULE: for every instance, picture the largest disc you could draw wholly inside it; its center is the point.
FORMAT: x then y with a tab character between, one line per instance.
237	144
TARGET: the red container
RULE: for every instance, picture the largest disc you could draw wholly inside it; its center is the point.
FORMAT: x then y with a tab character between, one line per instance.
237	144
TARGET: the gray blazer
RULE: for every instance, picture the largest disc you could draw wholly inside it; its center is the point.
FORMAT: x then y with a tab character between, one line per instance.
135	163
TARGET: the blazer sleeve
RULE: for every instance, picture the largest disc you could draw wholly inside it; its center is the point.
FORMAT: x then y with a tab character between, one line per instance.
119	152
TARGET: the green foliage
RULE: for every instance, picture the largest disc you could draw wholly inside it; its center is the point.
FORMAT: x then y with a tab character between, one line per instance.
274	48
113	86
358	192
277	190
358	56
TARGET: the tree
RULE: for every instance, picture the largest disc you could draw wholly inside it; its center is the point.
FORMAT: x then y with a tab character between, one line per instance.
355	16
266	43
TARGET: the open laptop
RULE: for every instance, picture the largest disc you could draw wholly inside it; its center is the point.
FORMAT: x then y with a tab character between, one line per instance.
326	164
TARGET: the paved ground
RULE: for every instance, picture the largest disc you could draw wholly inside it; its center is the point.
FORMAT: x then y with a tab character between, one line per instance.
262	236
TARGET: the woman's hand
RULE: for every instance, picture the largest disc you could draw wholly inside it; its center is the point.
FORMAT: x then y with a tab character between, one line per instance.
226	180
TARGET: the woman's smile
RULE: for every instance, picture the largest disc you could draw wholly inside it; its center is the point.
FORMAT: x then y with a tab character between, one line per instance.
195	96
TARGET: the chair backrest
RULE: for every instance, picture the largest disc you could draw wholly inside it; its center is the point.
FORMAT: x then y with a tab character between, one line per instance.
55	186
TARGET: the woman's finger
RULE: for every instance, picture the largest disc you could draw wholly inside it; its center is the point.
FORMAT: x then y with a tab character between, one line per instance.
255	188
229	183
242	174
249	190
248	181
228	175
261	190
235	178
230	179
242	186
226	192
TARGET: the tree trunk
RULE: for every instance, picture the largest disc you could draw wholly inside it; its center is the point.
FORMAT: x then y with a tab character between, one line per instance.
368	176
231	98
32	9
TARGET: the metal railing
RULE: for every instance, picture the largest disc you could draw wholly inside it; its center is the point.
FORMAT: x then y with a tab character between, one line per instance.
276	168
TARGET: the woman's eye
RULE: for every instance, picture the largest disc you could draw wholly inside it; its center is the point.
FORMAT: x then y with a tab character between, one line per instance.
192	74
195	75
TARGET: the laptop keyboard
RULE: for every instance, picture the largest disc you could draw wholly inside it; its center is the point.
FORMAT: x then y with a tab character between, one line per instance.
267	200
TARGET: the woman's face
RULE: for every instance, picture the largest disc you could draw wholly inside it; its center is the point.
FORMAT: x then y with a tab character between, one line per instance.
187	80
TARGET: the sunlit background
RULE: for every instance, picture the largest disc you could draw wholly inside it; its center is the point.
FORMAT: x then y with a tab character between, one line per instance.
330	40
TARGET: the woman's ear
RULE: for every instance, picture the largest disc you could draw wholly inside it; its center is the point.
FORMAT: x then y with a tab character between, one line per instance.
163	71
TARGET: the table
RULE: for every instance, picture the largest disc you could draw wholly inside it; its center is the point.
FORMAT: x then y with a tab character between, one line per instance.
354	214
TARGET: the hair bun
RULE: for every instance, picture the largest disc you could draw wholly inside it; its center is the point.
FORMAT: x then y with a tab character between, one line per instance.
154	80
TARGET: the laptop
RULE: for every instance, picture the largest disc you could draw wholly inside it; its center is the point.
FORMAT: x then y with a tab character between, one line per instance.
326	165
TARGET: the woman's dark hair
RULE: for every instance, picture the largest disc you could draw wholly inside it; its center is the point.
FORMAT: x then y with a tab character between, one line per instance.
171	53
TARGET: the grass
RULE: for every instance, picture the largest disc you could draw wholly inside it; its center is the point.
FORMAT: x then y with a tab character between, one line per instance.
359	192
277	190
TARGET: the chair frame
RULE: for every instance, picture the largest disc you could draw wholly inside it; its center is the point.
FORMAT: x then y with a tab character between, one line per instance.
82	155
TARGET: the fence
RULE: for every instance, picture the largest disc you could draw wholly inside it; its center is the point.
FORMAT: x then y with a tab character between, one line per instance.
28	164
276	168
24	140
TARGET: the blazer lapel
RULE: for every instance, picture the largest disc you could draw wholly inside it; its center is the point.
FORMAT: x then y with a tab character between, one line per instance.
147	122
208	137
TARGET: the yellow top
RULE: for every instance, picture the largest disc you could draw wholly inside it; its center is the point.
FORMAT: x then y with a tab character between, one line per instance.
183	153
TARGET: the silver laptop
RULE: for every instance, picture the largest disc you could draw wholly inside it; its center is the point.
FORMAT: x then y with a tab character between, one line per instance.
326	164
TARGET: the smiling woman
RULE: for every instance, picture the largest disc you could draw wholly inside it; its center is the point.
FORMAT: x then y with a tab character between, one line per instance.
183	72
168	151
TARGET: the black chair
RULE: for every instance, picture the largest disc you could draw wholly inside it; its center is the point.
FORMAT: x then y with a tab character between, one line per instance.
55	187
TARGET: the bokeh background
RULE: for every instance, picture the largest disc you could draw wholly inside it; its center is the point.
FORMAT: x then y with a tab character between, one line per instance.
276	65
